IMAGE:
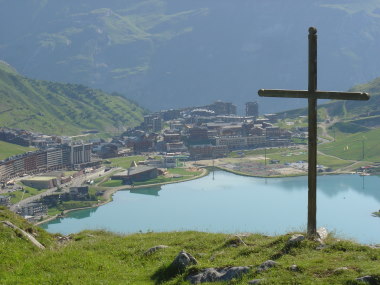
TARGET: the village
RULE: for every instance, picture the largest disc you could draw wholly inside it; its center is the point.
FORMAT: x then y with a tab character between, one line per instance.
169	146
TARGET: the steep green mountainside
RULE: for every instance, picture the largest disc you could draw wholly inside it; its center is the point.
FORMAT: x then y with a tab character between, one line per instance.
166	54
62	109
9	149
99	257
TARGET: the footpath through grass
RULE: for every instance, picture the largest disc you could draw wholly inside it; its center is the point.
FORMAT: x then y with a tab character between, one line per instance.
99	257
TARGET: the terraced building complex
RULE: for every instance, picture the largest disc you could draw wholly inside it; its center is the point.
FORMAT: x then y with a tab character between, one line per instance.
65	156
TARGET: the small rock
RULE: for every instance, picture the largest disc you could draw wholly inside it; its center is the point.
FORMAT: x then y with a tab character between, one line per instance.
368	279
295	239
183	260
154	249
266	265
255	281
218	274
294	268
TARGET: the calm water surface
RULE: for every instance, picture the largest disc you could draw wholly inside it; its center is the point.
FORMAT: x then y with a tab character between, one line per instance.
230	203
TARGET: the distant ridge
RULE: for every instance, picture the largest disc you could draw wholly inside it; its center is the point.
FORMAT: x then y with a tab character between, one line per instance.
62	109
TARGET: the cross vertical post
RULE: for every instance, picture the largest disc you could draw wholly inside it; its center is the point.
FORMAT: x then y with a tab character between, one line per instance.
312	140
312	95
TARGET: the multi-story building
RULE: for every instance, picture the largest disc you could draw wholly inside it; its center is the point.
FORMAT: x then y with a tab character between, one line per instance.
54	158
157	124
223	108
5	200
30	162
239	142
198	135
18	165
41	160
252	109
208	151
33	209
76	153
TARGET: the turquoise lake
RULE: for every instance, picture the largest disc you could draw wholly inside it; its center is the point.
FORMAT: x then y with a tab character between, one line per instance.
229	203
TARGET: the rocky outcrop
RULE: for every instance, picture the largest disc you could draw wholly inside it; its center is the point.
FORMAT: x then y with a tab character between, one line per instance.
295	239
266	265
218	274
182	261
154	249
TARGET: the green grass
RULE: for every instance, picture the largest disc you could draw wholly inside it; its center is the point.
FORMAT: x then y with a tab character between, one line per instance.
9	149
112	183
181	172
53	211
350	146
69	173
125	161
71	205
289	155
56	108
16	196
100	257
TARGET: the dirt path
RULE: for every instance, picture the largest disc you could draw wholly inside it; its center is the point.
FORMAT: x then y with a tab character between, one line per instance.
325	137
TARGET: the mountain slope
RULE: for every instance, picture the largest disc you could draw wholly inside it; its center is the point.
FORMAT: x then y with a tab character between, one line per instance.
166	54
57	108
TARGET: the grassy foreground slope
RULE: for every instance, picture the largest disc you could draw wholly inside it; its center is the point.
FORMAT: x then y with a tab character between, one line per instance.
99	257
57	108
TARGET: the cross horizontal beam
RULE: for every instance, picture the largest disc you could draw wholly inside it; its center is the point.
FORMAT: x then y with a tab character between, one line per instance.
335	95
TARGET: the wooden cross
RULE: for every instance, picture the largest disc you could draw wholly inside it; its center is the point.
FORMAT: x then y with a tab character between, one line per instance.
312	95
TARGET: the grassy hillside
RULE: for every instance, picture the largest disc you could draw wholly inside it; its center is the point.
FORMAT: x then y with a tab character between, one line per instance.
357	146
57	108
356	131
8	149
99	257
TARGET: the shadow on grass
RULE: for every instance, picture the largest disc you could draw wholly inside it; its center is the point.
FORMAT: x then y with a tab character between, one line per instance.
165	273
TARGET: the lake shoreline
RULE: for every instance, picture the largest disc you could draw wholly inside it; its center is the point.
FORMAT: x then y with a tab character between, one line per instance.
109	191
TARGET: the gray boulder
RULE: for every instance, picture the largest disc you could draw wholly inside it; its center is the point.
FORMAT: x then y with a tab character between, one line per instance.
295	239
182	261
218	274
369	280
266	265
